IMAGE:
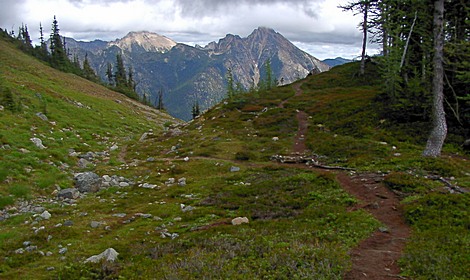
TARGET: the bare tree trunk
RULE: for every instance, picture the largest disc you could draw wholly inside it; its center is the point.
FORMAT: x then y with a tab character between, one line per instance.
364	38
408	41
439	131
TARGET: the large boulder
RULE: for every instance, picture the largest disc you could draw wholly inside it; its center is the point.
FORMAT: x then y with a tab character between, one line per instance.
88	182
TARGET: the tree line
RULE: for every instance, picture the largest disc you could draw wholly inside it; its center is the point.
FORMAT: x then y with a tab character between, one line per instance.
425	62
57	55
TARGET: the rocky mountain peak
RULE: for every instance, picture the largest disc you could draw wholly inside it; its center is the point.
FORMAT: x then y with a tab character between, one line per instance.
144	40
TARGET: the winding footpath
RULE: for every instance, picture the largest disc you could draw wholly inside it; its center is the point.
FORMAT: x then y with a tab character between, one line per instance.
377	256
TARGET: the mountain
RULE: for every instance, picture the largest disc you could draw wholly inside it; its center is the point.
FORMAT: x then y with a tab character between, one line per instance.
336	61
187	74
144	42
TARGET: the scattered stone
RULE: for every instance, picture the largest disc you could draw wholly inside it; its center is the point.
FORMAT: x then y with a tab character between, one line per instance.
68	223
70	193
120	215
84	163
384	229
49	238
38	143
46	215
170	181
182	182
2	108
114	148
19	251
186	159
109	255
87	182
50	268
234	169
48	254
26	243
24	151
186	208
107	178
31	248
240	220
63	250
42	116
124	184
275	139
95	224
148	186
143	137
151	159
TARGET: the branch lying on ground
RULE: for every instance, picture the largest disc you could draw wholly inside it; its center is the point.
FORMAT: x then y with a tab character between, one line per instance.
310	161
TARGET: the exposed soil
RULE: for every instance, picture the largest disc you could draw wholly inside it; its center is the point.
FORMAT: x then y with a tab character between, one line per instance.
377	256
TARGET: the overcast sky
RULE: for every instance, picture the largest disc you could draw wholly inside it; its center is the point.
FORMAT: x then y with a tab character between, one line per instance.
318	27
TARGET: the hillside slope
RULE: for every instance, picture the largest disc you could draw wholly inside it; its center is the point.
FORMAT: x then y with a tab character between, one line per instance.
66	113
229	196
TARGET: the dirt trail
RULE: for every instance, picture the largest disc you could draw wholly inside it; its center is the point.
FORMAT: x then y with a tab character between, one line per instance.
377	256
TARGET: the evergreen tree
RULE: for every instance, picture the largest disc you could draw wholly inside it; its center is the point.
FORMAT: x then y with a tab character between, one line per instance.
230	84
88	71
120	76
160	105
109	73
196	111
59	57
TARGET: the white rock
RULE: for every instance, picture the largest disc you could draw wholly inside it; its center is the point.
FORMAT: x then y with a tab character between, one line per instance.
114	147
275	138
240	220
46	215
38	143
109	255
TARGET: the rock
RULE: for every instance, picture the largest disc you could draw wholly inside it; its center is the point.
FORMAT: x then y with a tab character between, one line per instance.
114	148
50	268
71	193
87	182
107	178
240	220
63	250
234	169
109	255
120	215
2	108
26	243
124	184
84	163
182	182
143	137
31	248
186	159
49	253
24	151
19	251
45	215
68	223
38	143
42	116
275	139
148	186
187	208
150	159
95	224
170	181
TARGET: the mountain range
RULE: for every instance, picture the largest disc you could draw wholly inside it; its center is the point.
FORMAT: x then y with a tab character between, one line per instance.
187	74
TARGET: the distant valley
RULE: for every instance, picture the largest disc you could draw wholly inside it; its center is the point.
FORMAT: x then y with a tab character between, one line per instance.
187	75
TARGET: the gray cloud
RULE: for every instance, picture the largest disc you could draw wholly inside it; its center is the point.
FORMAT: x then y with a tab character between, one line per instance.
312	24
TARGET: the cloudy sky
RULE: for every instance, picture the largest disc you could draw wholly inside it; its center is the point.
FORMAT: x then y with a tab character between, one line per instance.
318	27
